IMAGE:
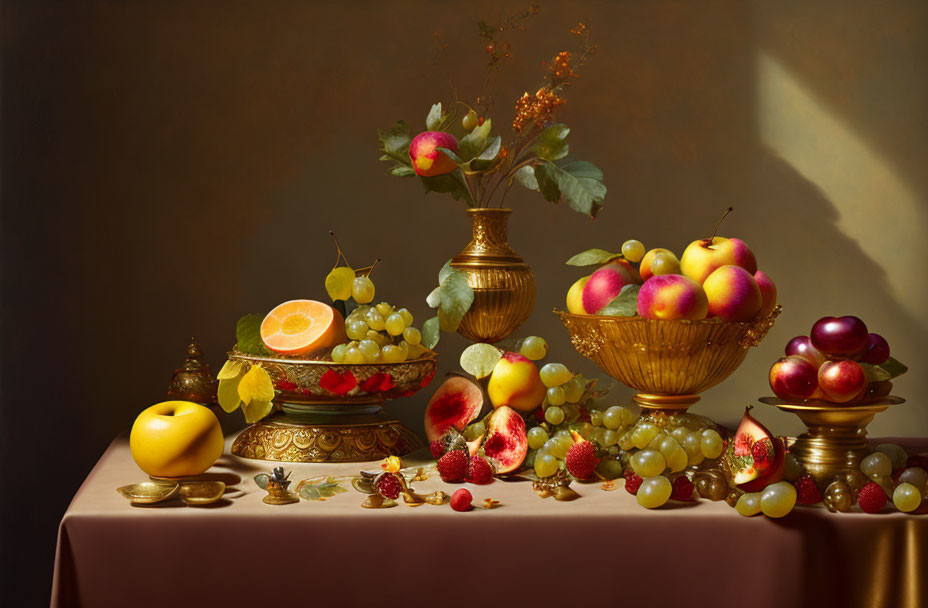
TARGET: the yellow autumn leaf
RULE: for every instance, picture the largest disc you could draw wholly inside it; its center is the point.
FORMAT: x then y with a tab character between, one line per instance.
256	410
338	283
255	384
230	369
391	464
227	394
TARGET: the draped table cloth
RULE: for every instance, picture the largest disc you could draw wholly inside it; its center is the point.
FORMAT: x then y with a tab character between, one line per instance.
601	548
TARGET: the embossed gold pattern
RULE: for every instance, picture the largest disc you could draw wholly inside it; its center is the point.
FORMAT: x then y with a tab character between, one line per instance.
503	284
837	435
670	362
286	439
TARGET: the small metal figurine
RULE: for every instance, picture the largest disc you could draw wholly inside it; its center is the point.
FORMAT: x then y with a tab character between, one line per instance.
194	381
277	485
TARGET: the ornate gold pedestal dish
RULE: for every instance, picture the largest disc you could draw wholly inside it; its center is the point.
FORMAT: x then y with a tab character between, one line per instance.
837	434
669	362
331	412
503	284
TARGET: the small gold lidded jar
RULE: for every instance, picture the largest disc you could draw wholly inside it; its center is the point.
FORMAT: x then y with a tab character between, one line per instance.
503	284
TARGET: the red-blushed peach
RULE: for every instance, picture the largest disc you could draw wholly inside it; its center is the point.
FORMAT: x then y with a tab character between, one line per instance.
733	294
575	297
672	296
701	258
515	382
768	293
657	262
427	159
603	286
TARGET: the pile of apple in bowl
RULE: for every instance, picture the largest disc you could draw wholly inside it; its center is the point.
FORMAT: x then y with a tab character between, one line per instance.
666	325
840	363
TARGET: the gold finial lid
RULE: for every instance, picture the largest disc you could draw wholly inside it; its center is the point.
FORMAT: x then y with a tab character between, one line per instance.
194	380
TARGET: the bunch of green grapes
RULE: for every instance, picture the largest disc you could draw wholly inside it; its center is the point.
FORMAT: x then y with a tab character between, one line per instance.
549	442
378	334
672	449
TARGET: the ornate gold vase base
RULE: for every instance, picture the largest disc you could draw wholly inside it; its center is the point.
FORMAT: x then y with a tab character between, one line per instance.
836	440
360	438
665	403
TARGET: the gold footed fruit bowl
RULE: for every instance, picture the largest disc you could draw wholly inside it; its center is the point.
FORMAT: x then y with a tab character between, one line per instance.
331	412
668	362
836	440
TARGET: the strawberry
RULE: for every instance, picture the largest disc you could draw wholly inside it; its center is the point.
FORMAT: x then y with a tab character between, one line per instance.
806	491
452	467
581	460
437	448
479	472
871	498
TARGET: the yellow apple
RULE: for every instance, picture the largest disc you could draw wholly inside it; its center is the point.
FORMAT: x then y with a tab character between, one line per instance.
703	257
176	439
515	382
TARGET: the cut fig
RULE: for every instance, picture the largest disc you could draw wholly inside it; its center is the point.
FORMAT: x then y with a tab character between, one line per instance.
456	403
506	441
754	456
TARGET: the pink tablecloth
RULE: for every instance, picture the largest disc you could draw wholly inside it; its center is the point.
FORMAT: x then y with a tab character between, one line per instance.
529	551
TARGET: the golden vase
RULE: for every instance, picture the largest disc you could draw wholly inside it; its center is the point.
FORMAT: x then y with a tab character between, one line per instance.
503	284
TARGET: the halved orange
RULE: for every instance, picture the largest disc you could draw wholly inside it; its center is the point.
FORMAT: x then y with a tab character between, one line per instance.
298	327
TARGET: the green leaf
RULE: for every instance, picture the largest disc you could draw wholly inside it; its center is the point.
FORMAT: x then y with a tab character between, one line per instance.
526	177
624	305
248	335
592	257
395	142
318	488
261	480
433	120
550	145
489	157
875	373
580	184
547	183
456	299
445	271
431	332
894	368
447	183
402	171
451	154
475	142
434	298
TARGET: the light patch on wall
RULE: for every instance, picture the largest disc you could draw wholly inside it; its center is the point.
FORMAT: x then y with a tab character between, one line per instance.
875	207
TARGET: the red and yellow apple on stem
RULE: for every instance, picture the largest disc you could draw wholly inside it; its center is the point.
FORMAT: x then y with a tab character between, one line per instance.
427	159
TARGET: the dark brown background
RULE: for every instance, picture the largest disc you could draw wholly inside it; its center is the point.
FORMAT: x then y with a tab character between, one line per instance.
168	166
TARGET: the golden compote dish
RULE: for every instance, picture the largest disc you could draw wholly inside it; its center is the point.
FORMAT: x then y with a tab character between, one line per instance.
836	440
331	412
668	362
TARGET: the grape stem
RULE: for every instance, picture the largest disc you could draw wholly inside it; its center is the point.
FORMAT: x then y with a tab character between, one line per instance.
340	256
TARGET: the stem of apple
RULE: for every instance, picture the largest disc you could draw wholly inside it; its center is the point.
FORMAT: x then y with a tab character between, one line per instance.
716	231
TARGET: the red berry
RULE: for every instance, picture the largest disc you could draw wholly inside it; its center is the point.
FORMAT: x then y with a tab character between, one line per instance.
461	499
581	460
480	471
452	467
438	448
871	498
389	486
682	489
806	491
632	482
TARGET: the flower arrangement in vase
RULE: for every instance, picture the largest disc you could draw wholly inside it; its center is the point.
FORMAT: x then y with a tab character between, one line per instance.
487	290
